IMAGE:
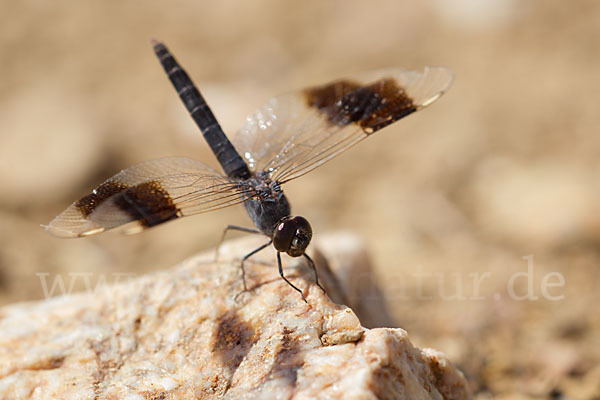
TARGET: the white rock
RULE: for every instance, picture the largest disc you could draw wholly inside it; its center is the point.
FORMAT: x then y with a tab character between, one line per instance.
153	340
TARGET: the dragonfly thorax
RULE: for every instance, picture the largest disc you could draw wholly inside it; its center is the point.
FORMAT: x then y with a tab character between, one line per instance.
270	210
267	205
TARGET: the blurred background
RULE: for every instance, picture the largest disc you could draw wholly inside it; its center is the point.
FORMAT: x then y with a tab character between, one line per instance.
504	166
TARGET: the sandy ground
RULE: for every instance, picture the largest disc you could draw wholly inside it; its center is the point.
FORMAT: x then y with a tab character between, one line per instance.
482	212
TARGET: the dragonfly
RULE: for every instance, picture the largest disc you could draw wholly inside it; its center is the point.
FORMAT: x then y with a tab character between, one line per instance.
289	136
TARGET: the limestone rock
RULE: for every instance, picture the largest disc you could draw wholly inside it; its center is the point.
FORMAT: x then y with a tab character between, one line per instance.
186	334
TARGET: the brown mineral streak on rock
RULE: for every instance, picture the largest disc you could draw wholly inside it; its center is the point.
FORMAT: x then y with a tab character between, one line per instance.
182	335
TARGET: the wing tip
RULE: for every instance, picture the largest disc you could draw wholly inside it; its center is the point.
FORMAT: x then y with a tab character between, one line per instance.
54	229
434	82
444	74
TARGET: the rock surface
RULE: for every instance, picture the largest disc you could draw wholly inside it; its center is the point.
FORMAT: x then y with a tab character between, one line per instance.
183	334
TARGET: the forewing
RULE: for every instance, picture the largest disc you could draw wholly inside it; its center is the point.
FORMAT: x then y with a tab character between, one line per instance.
297	132
149	194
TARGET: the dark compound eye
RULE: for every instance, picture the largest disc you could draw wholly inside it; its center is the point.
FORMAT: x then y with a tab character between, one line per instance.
292	236
301	237
283	235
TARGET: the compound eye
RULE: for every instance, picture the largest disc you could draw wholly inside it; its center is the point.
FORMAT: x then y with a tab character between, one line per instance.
284	234
302	237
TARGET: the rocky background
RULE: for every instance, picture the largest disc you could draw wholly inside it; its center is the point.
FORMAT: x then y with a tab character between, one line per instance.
500	174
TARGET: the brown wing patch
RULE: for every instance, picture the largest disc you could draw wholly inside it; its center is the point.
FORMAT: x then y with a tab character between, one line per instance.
148	203
87	204
372	107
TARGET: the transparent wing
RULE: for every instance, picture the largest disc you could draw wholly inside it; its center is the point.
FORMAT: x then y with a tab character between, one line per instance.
149	194
297	132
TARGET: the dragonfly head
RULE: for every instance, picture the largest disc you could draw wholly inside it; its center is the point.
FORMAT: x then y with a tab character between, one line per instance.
292	236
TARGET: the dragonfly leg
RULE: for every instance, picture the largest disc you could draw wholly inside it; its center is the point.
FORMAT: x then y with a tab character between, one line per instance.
314	268
253	252
285	279
232	228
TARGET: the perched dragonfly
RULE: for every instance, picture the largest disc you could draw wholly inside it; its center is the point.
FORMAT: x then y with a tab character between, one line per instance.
289	136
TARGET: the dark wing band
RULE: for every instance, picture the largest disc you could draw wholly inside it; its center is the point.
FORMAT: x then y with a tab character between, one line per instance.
295	133
149	194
